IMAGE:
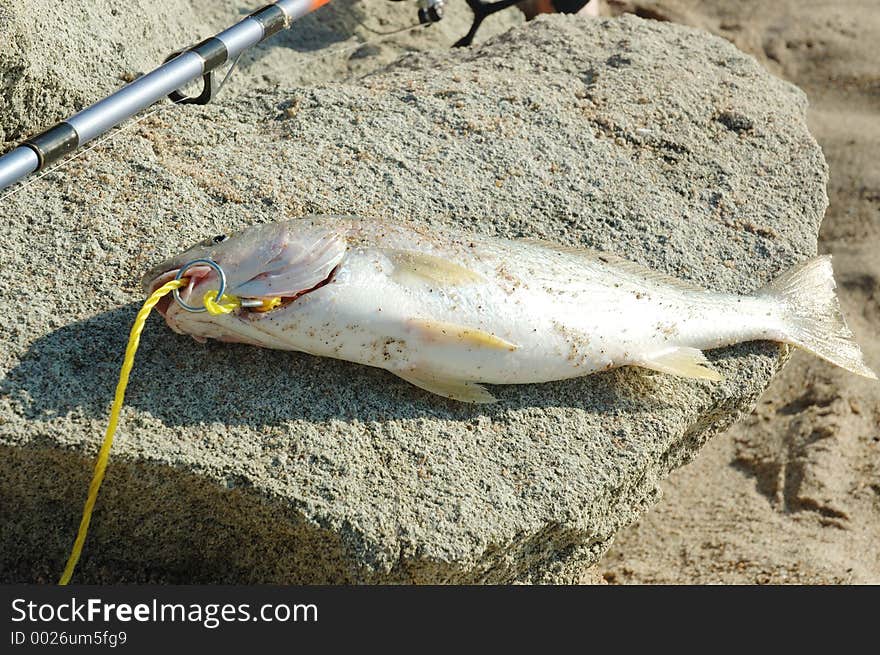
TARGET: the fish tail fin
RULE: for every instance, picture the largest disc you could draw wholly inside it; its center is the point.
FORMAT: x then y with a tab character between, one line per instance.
811	315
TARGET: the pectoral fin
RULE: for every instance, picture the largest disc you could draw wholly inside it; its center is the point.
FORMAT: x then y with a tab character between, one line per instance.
686	362
466	392
452	333
412	266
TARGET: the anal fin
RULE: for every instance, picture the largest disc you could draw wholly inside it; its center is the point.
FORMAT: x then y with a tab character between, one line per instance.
685	362
466	392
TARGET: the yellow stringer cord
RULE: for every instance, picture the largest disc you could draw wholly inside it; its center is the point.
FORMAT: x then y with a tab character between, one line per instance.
104	454
268	305
226	305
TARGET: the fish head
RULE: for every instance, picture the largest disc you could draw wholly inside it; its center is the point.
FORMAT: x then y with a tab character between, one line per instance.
275	260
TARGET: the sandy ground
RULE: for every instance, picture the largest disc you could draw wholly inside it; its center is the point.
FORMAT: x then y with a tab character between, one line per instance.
792	493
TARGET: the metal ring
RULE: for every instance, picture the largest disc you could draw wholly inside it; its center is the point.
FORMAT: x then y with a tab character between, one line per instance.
189	265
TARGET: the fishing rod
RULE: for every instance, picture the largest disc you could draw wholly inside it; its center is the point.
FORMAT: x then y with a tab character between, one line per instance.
179	69
200	61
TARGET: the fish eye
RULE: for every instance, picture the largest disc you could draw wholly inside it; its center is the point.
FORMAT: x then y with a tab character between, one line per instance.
220	238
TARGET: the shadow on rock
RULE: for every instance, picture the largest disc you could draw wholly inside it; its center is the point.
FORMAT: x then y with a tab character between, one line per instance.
167	526
75	368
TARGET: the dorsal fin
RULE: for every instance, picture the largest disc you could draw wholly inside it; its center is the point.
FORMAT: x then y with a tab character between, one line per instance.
618	262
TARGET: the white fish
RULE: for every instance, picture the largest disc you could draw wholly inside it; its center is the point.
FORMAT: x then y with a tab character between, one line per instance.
449	311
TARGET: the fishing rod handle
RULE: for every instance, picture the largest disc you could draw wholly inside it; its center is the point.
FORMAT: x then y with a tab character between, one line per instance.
38	152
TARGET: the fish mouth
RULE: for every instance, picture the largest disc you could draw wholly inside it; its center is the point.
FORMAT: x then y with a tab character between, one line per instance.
266	266
194	274
204	277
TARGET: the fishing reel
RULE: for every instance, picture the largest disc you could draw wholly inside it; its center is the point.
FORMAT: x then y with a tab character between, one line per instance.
431	11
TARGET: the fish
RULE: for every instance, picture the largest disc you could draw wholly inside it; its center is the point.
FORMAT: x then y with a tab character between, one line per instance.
450	312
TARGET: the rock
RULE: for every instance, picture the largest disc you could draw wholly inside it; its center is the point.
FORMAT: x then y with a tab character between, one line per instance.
237	464
62	56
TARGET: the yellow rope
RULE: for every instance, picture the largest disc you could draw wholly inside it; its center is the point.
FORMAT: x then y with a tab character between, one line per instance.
104	454
225	305
268	305
228	304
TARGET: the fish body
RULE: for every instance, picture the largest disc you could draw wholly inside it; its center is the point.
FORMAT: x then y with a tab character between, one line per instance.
449	311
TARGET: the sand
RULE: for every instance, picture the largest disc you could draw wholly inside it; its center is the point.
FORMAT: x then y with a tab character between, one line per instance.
792	493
